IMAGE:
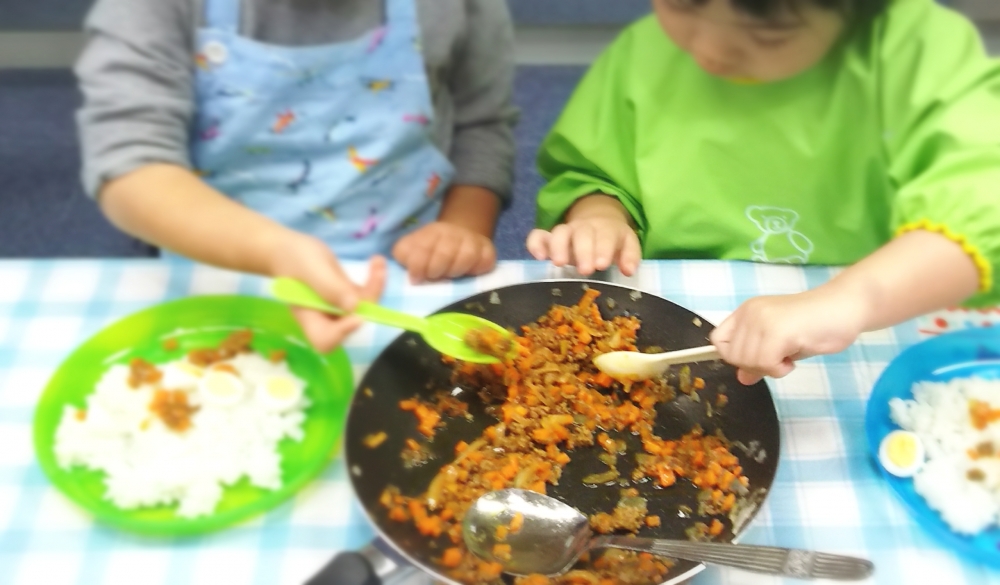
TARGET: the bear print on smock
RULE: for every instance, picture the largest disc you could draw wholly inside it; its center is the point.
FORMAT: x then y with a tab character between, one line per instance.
779	242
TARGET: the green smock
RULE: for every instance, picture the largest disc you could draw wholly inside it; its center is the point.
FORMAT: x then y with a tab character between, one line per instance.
898	128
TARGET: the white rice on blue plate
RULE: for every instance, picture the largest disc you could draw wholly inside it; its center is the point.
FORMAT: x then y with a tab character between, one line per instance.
148	464
964	489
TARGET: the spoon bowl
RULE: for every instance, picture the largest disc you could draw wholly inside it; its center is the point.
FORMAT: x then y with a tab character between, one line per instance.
445	332
551	537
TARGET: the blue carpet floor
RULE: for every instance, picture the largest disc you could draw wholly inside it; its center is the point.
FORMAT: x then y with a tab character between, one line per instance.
44	213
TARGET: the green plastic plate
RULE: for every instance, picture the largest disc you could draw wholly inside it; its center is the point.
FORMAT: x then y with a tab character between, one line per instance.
198	322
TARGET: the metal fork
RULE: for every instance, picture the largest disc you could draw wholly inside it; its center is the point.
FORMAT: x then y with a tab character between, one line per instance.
788	562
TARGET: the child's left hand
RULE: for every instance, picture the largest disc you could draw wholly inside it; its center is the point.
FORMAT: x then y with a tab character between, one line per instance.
766	335
444	250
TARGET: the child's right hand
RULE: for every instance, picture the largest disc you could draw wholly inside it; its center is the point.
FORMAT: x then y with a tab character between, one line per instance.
597	234
311	261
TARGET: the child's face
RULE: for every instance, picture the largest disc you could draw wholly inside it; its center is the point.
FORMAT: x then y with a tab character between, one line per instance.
731	44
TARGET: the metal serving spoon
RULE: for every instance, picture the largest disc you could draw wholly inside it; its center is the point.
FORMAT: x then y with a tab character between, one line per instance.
632	365
444	332
552	536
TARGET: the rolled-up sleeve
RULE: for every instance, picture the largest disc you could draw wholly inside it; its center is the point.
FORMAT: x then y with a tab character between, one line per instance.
482	149
942	111
136	77
591	147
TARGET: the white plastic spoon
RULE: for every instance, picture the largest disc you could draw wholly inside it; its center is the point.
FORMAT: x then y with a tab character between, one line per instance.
632	365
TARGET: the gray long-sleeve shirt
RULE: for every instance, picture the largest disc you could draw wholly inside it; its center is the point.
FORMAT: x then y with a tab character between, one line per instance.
137	78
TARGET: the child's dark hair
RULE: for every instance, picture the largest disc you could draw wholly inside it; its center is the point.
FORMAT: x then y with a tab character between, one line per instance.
856	11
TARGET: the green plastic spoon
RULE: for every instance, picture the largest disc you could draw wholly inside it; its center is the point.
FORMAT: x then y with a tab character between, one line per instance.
445	332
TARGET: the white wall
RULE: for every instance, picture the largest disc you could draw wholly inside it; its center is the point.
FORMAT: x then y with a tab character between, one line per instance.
536	45
979	9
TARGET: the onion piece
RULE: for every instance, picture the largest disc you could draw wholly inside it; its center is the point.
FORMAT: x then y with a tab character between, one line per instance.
580	577
601	478
475	446
448	472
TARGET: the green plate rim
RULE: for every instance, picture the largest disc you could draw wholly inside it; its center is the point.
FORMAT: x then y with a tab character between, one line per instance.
341	382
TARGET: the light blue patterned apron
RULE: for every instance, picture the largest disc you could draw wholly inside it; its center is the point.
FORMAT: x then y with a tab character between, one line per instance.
331	140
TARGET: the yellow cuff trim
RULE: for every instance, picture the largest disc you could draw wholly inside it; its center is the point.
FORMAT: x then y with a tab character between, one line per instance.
982	264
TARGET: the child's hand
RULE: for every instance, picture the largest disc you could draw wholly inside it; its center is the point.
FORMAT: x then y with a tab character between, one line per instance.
445	250
766	335
311	261
596	235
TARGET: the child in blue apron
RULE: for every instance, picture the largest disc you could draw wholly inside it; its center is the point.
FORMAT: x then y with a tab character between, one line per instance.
299	155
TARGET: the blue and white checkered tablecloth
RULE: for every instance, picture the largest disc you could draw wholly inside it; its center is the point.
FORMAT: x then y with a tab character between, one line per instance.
827	495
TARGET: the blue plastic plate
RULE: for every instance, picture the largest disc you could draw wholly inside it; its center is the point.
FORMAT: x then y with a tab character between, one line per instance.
964	354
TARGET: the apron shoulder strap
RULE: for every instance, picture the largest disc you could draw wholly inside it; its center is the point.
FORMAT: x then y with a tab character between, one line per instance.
401	12
222	14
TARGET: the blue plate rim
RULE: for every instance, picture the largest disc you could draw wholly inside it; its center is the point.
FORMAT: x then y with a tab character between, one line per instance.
878	425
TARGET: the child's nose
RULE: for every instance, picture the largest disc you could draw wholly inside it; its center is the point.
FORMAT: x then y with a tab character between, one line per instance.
713	49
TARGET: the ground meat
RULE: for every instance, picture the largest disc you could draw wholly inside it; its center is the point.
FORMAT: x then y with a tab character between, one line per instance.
449	405
414	454
629	515
238	342
549	400
489	341
142	372
172	407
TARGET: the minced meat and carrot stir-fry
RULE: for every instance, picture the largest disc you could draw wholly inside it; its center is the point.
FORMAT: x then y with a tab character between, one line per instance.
549	400
489	342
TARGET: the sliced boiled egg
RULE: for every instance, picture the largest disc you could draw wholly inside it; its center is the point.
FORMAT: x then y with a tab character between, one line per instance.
190	368
221	388
181	376
280	393
902	453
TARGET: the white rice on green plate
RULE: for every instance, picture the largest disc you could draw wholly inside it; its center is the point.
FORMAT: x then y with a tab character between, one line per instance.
237	423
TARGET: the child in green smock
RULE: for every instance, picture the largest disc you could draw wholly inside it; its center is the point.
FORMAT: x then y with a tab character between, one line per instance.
848	132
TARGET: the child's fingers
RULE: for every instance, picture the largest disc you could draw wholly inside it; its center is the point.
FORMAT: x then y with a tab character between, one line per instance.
466	258
487	260
441	258
722	336
538	244
631	254
744	339
776	356
759	351
748	377
401	251
421	251
765	353
583	248
331	283
377	275
739	345
560	243
606	246
322	331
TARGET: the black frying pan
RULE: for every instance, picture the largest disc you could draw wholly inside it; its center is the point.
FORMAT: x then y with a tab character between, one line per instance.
408	367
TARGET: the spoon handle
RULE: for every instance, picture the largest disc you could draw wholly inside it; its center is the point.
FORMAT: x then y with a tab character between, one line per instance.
294	292
689	356
795	563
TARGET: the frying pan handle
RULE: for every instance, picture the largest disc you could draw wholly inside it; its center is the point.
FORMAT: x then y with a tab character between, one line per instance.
366	567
